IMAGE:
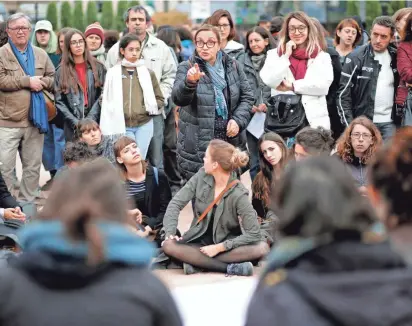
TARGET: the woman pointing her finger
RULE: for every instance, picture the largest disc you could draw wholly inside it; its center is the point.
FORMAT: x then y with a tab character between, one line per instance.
215	100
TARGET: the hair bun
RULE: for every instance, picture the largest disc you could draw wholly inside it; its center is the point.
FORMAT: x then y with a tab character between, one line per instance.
239	159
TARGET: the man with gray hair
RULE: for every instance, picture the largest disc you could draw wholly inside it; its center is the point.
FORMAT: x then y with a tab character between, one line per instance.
157	57
369	80
25	71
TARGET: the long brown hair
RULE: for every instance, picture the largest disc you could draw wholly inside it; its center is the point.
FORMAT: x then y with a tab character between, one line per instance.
119	145
312	40
344	145
68	76
63	32
348	22
263	183
88	194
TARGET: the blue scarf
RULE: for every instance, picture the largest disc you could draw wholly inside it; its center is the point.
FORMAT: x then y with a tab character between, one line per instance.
38	112
120	244
217	74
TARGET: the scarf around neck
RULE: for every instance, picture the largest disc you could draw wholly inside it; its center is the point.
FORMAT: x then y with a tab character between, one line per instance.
258	60
217	75
38	111
299	61
120	244
100	54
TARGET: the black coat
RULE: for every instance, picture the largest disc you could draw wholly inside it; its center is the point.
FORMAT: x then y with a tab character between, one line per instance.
358	83
335	122
157	198
346	284
71	105
6	199
40	289
260	90
197	110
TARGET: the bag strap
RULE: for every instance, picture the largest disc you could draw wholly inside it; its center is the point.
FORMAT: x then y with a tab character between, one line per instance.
217	199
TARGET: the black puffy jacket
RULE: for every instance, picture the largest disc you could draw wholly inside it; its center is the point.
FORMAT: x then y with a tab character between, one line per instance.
358	83
71	105
197	110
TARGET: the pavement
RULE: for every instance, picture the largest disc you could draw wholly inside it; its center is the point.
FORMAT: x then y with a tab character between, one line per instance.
227	297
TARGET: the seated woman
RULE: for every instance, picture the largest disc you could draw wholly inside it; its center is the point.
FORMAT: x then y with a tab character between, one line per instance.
273	156
323	272
357	147
147	186
229	237
90	133
313	142
81	237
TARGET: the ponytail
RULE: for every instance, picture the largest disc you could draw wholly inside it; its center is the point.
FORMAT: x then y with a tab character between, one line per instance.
239	159
228	156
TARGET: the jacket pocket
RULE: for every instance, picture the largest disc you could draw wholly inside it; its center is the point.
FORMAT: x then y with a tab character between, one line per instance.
15	106
191	138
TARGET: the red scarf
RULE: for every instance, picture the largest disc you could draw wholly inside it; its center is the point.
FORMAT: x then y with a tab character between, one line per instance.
299	61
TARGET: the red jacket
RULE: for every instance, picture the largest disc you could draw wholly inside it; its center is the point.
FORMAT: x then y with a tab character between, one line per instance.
405	70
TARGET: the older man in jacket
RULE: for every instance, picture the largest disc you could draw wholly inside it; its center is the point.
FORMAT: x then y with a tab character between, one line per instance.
157	57
25	71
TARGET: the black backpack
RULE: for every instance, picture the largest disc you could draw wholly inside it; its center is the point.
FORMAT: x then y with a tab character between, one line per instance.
285	115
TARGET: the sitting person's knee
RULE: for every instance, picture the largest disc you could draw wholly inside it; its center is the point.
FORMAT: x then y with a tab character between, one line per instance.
262	249
169	247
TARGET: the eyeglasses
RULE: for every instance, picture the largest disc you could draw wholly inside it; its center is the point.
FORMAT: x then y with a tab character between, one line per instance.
79	42
300	29
19	28
209	44
358	135
223	26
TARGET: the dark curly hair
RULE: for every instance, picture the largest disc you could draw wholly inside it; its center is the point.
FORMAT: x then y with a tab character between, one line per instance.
391	174
345	149
315	141
78	152
3	34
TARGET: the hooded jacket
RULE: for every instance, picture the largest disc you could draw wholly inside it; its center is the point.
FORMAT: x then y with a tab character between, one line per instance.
345	284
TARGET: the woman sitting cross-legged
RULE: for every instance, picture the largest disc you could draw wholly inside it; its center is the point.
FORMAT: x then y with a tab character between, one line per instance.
228	238
147	186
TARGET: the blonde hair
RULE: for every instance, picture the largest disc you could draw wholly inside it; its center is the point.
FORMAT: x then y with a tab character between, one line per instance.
228	156
313	38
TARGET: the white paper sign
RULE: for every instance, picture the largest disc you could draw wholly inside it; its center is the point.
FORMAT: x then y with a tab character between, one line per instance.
257	125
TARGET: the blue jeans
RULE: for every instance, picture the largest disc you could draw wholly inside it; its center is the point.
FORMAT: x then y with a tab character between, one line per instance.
142	134
155	154
252	144
53	148
387	129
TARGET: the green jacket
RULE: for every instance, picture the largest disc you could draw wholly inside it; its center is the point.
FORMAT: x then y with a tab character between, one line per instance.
235	205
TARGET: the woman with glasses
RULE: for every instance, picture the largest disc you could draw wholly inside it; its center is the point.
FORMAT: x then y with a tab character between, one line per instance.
223	21
215	100
299	73
357	147
78	83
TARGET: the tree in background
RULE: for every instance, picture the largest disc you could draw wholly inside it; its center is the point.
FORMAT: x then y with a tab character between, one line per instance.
352	8
78	21
66	14
397	4
373	10
51	15
91	13
133	3
122	6
107	15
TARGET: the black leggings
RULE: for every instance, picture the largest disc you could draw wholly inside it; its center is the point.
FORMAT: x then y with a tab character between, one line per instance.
190	253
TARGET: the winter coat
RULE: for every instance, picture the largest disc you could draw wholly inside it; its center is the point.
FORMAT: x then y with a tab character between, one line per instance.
346	284
197	110
42	289
71	105
235	50
359	172
234	205
313	88
260	91
335	121
157	197
405	71
358	83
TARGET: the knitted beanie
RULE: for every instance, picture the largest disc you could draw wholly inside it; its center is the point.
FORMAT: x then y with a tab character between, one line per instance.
96	29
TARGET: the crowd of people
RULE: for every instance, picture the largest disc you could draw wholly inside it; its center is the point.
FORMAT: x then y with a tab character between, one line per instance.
134	128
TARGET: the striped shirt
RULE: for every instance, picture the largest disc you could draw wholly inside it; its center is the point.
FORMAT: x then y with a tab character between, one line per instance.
136	191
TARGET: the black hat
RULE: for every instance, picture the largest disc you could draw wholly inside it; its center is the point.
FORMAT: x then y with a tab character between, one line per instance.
265	18
276	24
